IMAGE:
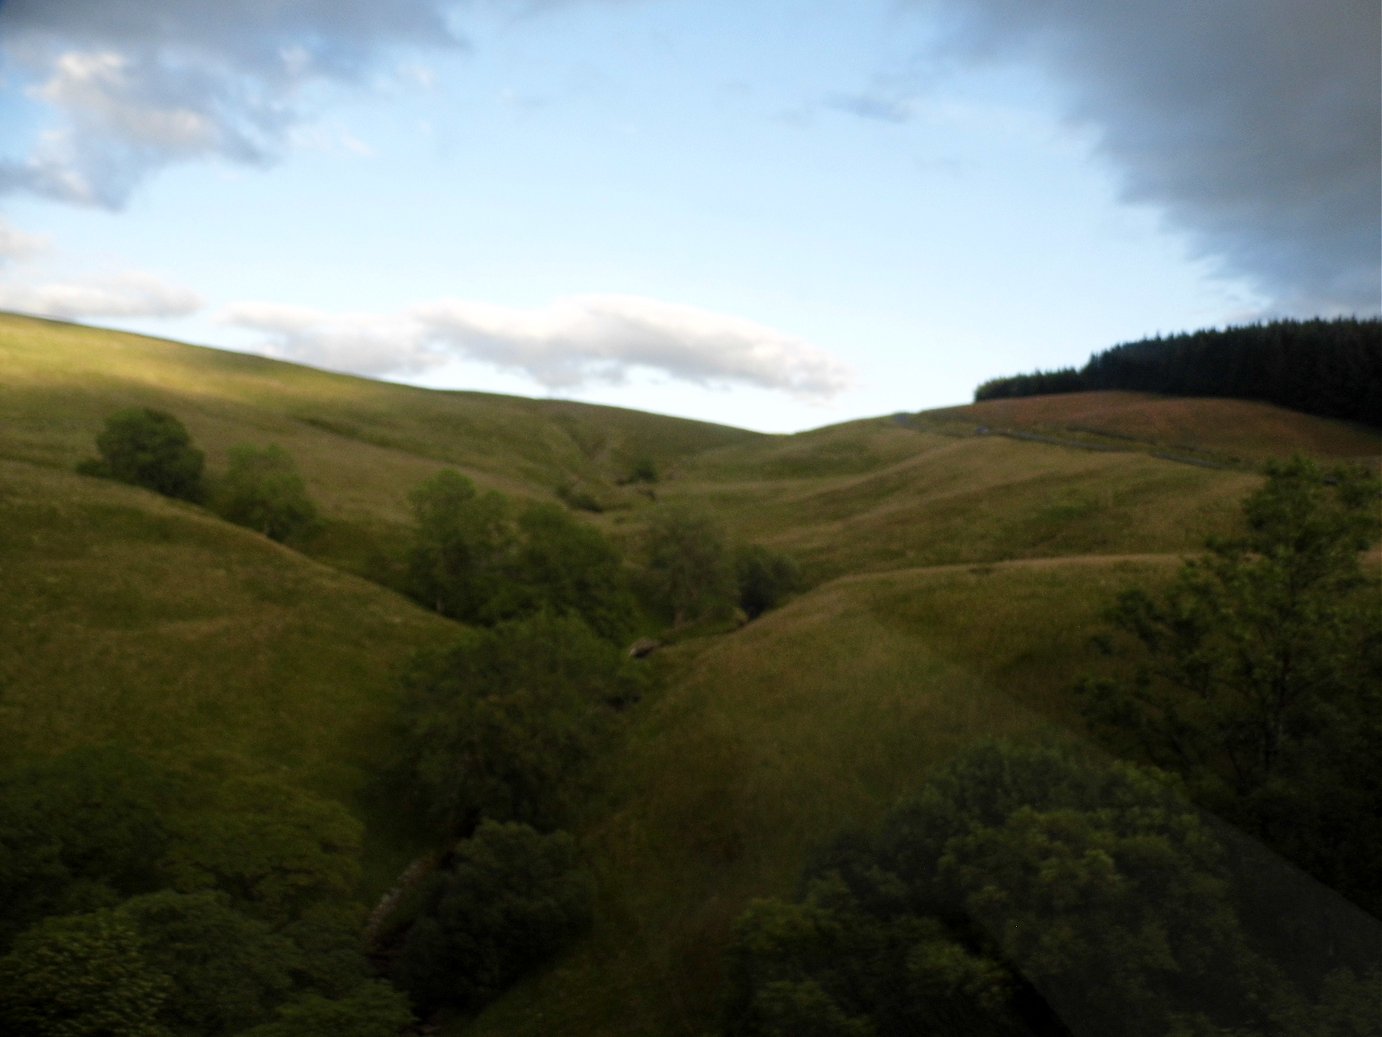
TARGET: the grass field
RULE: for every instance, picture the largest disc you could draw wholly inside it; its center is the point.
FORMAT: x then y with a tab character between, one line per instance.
1227	429
955	578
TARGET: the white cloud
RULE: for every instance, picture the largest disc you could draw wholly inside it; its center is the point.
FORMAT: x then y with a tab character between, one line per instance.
129	294
572	342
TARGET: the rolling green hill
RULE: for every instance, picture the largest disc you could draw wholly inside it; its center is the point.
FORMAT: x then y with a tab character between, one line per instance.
955	580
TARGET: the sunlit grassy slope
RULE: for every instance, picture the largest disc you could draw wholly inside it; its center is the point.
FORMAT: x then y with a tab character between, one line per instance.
956	578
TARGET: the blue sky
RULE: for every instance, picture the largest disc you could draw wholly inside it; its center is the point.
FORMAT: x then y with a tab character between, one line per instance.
775	214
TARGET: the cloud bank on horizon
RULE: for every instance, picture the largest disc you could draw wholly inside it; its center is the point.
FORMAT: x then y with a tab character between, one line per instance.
572	342
1254	125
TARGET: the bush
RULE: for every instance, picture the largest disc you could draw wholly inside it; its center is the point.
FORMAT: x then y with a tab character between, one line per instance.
765	578
149	448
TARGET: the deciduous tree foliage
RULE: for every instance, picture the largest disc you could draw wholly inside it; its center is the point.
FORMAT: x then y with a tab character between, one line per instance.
462	546
501	726
478	559
226	971
79	832
1023	891
275	850
567	568
80	975
371	1009
765	578
149	448
262	489
508	900
1258	675
689	563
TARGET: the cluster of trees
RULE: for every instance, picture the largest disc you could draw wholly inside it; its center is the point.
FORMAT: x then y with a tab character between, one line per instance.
1033	891
1331	368
498	733
500	730
1257	675
693	571
475	557
481	559
1030	890
136	899
260	488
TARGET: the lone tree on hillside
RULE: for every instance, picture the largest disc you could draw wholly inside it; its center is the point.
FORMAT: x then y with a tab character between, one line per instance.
262	490
149	448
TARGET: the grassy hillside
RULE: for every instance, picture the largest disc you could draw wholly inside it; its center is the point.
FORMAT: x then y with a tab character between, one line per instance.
1224	429
361	445
956	578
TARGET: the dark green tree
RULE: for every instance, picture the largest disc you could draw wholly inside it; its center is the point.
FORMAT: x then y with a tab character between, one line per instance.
226	971
82	975
562	566
501	726
371	1009
277	851
462	548
262	489
149	448
1258	674
1023	891
765	578
79	832
690	567
509	899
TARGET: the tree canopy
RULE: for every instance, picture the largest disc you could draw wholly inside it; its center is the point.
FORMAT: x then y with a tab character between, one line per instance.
1257	674
149	448
261	489
1328	367
508	899
500	726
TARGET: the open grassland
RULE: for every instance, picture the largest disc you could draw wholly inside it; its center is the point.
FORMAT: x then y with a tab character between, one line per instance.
906	498
1225	428
361	445
132	618
956	577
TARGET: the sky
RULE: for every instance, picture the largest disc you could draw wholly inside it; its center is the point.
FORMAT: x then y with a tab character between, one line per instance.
775	214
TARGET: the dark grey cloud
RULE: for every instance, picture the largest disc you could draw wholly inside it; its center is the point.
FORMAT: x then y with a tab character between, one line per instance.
1253	125
134	85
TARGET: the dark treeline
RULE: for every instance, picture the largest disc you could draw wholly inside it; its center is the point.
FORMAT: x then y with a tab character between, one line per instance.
1332	368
